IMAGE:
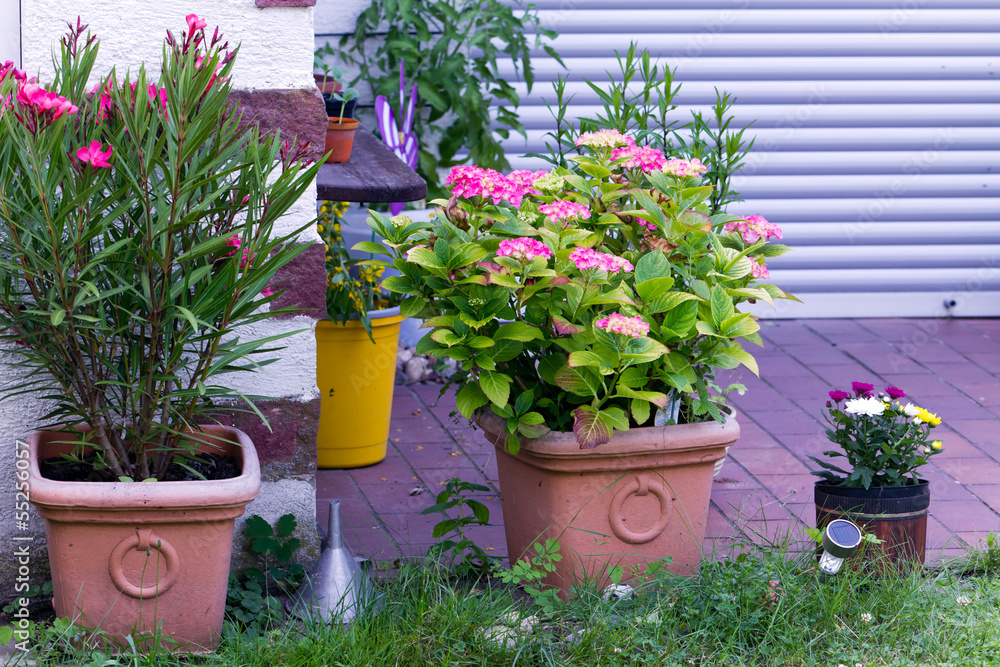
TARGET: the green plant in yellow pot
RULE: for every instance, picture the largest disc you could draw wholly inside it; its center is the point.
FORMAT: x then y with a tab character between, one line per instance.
355	353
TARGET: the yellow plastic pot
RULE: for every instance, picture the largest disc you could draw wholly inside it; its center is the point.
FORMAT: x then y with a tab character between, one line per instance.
356	380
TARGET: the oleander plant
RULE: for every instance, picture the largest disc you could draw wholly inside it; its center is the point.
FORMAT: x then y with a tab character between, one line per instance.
586	298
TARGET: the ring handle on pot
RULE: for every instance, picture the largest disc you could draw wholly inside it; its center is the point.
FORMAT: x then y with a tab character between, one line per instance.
143	541
639	486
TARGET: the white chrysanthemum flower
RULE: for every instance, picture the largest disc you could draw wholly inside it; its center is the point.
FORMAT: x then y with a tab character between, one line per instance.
865	406
910	410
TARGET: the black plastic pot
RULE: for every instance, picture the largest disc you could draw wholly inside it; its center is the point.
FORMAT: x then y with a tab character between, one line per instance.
333	107
896	515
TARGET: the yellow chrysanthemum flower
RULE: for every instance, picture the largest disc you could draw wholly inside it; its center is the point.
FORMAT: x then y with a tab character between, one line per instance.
937	444
928	417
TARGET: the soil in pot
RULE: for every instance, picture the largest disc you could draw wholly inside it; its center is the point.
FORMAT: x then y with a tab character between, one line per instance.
205	465
896	515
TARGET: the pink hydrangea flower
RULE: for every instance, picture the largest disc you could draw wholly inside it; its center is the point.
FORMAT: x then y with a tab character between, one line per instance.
94	156
562	209
645	158
472	181
754	227
587	258
604	139
523	248
524	178
758	269
628	326
684	168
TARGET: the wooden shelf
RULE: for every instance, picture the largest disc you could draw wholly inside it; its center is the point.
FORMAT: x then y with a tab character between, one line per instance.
373	175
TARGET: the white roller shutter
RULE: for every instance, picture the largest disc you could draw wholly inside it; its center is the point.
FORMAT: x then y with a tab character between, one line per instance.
877	126
10	31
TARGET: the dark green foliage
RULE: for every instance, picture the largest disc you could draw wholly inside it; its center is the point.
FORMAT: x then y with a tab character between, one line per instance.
450	48
462	555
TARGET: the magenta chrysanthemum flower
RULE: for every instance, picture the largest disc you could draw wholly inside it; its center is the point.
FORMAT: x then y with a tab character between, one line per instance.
640	157
523	248
604	139
587	258
862	389
895	393
684	168
754	227
562	209
837	396
627	326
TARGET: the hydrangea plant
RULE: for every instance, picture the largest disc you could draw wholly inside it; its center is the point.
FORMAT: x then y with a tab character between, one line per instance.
883	440
584	298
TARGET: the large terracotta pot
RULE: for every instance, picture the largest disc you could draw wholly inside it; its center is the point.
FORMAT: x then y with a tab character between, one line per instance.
896	515
640	498
98	535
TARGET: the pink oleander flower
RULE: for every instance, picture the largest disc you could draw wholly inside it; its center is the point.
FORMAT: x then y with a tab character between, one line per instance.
472	181
627	326
32	94
155	95
587	258
684	168
758	269
267	291
194	23
754	227
93	155
561	210
645	158
523	248
604	139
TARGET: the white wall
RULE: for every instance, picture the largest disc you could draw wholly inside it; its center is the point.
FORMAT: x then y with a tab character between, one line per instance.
10	31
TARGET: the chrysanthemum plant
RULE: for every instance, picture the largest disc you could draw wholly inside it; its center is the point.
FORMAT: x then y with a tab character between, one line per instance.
136	244
883	440
583	298
353	287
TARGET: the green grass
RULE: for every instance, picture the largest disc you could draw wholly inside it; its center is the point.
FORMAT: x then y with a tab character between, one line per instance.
731	614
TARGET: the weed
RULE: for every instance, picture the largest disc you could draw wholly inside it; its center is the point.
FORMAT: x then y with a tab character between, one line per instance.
462	555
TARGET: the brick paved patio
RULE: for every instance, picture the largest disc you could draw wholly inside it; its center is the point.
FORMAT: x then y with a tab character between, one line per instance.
764	492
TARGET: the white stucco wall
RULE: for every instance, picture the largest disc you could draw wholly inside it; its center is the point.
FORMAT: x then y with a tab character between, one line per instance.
273	51
276	52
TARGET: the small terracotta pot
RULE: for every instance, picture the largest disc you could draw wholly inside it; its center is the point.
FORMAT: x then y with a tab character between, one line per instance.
329	86
130	555
640	498
340	138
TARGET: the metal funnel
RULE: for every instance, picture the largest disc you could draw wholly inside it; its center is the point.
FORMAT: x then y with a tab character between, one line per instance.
337	589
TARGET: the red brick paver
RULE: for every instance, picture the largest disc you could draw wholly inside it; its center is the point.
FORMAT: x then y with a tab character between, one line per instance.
764	492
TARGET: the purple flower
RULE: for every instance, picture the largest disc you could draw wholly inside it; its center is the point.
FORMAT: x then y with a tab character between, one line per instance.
862	389
837	396
895	392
